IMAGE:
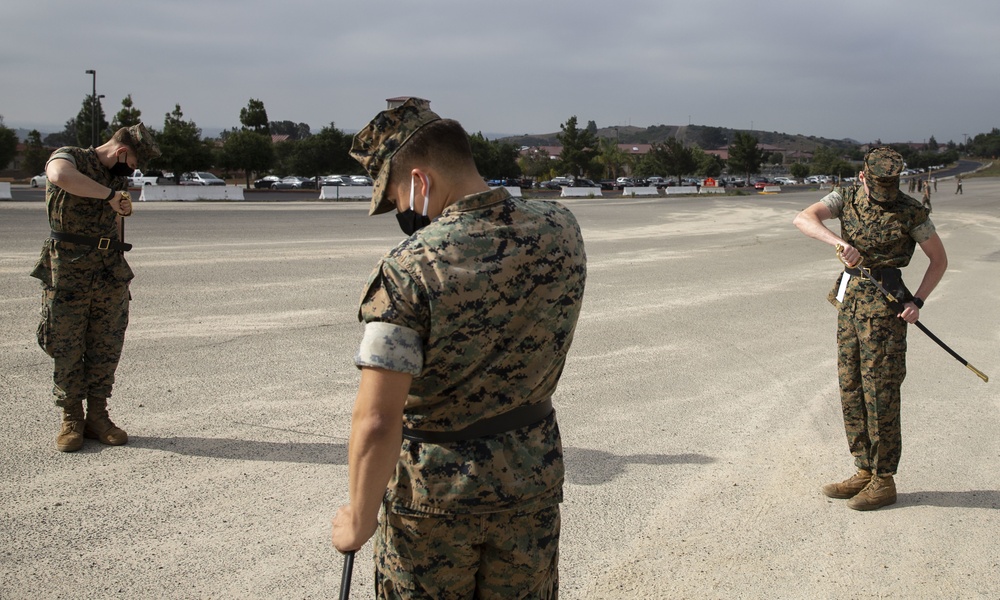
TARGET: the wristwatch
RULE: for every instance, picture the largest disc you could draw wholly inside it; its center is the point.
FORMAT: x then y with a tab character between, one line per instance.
918	301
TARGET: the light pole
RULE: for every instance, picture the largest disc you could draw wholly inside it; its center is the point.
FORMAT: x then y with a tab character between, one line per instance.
93	107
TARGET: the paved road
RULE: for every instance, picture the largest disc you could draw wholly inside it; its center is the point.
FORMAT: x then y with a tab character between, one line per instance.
699	410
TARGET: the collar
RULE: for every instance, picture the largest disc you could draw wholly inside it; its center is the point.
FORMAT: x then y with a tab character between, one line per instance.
478	201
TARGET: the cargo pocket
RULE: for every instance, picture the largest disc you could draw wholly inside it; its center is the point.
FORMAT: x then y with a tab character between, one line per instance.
43	333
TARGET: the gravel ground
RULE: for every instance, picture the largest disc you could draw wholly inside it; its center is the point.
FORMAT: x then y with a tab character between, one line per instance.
699	411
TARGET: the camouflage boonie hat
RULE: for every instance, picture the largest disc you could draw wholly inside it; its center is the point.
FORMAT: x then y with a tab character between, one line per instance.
375	145
141	140
882	169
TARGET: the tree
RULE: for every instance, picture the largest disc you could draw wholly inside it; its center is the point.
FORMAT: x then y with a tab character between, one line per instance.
181	146
326	152
85	124
35	155
612	158
579	147
8	145
744	155
254	117
535	163
709	165
932	144
678	160
494	159
66	137
128	116
248	151
293	131
799	170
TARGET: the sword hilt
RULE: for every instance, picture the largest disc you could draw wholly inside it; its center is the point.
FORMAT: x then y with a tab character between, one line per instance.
840	257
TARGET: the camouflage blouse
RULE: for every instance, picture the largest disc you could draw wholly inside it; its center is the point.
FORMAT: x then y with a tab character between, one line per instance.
480	306
69	266
886	234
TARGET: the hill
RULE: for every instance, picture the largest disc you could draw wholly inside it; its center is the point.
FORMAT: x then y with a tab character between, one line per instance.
705	137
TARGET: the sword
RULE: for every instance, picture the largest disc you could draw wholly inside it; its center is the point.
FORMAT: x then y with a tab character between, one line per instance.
919	325
345	577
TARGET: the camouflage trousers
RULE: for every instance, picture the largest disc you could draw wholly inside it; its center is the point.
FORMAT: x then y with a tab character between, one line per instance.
83	331
871	366
499	556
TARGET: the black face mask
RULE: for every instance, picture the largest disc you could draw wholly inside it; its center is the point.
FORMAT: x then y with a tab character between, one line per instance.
121	169
410	221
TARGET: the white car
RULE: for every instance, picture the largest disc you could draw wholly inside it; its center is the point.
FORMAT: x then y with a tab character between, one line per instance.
361	180
39	180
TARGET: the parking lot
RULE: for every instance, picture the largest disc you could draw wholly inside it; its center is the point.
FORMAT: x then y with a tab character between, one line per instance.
699	410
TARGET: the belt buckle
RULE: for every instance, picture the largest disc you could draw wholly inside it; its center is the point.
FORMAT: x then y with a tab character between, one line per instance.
104	243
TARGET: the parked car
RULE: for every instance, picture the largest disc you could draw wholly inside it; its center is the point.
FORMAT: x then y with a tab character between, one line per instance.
139	179
623	182
39	180
581	182
200	178
332	180
294	182
361	180
265	182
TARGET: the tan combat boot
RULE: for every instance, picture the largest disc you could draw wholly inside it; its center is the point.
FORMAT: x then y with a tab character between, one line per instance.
881	491
70	438
849	487
99	426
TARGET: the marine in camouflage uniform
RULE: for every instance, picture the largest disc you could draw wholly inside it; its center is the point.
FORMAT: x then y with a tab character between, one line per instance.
476	313
880	227
85	279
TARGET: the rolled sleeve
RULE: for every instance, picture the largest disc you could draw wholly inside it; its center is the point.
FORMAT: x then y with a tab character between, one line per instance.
834	201
391	347
923	232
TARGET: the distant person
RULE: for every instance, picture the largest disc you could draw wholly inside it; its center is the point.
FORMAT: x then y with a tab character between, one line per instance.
467	325
912	184
958	181
85	279
927	197
934	181
880	228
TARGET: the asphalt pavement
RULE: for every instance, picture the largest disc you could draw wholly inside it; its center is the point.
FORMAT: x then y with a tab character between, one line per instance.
699	410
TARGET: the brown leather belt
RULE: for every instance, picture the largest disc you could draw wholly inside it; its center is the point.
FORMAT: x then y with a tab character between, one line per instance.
511	420
99	243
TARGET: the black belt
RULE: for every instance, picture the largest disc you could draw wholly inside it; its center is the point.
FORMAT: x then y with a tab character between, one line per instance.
508	421
99	243
876	273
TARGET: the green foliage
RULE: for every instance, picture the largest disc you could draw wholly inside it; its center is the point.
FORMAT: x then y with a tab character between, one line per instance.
612	159
254	117
85	124
674	158
325	153
799	170
248	151
66	137
535	163
127	116
294	131
708	165
830	161
181	145
8	145
494	159
985	144
579	148
744	155
34	153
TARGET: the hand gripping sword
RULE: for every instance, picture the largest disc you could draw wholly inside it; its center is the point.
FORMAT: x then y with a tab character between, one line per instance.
919	325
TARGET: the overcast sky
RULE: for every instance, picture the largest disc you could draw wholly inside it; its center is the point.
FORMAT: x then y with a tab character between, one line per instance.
875	69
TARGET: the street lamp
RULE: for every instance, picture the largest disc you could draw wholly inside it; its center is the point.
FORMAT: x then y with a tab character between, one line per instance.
93	108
